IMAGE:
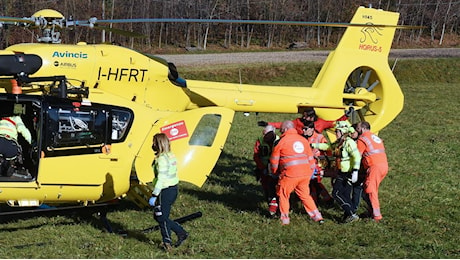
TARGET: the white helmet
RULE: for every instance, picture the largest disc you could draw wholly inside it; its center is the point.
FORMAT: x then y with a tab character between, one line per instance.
268	128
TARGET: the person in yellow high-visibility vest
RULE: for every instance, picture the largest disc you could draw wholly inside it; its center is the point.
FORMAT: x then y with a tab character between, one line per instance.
10	127
165	191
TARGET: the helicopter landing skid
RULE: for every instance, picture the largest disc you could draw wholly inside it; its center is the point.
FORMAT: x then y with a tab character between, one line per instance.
45	210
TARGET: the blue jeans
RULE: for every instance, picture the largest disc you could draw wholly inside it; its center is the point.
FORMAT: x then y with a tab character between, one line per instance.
166	199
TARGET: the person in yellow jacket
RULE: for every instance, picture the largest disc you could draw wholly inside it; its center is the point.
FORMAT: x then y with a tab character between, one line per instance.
349	160
294	157
165	191
10	127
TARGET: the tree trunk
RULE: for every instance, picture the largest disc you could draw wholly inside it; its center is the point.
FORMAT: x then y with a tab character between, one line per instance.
205	40
445	22
434	22
318	32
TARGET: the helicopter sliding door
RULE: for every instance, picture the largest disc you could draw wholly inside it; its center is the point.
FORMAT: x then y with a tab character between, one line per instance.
197	139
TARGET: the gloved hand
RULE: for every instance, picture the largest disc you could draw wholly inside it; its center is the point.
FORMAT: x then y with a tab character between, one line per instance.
315	173
152	201
354	176
265	172
349	112
262	123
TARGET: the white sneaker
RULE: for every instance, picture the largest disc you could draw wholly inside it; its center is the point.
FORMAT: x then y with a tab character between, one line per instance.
352	218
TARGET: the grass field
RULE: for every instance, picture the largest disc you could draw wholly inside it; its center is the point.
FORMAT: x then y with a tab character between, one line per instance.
419	198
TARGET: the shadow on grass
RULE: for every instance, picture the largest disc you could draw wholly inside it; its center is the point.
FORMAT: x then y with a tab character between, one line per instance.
232	176
94	216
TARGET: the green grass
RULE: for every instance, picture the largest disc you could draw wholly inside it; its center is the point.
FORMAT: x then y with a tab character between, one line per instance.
419	197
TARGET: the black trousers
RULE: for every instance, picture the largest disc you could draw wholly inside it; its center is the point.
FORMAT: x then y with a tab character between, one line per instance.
341	192
8	148
166	199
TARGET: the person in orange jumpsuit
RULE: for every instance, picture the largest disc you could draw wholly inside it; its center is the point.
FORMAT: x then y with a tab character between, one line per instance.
309	115
294	157
317	189
376	164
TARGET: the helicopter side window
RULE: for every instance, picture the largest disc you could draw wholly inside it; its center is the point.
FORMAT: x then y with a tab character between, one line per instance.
82	127
206	130
74	129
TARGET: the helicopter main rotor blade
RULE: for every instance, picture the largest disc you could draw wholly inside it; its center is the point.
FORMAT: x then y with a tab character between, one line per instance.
16	20
91	24
264	22
121	32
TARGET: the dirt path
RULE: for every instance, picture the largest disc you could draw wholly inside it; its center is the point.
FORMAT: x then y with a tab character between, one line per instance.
295	56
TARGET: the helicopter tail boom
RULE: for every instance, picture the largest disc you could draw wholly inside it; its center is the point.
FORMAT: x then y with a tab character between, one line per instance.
355	74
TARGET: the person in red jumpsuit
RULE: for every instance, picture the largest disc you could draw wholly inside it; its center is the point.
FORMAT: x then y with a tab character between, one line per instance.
317	189
309	115
294	158
262	150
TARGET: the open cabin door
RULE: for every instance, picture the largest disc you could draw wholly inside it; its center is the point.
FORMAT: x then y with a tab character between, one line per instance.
197	139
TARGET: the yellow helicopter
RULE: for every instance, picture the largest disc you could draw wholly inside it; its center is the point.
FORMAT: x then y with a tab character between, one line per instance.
93	109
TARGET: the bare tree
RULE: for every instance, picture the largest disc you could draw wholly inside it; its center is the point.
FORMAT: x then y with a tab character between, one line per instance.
441	17
446	17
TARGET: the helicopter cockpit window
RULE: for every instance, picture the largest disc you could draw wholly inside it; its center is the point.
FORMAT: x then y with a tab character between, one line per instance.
206	130
120	124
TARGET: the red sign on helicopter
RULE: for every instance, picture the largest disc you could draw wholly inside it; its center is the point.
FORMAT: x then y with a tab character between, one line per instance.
175	130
